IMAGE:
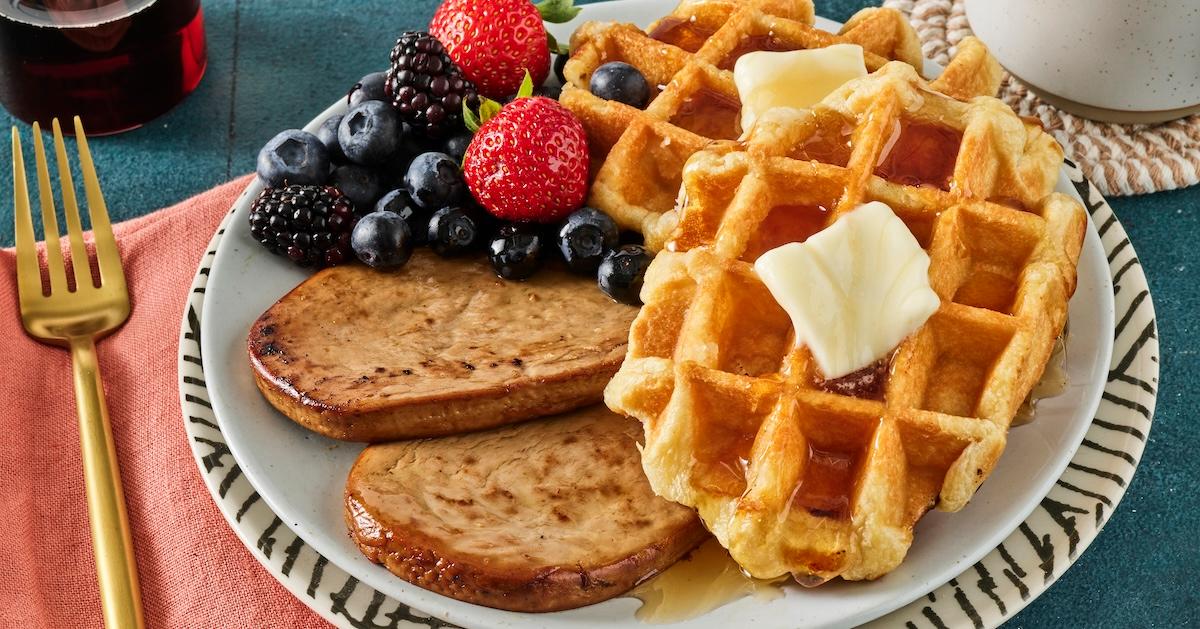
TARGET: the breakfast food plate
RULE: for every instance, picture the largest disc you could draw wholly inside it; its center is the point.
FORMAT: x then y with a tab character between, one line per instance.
281	487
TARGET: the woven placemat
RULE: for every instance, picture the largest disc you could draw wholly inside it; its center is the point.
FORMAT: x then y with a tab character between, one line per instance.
1119	159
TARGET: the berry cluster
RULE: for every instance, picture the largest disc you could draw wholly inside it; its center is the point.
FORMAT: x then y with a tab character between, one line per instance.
375	157
421	158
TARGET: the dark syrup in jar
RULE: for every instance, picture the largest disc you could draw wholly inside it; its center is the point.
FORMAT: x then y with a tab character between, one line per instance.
115	63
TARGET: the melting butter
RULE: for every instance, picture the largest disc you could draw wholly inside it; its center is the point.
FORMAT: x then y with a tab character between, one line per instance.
796	79
854	290
701	582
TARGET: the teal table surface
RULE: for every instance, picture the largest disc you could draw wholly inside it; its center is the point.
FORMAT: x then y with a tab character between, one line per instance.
274	64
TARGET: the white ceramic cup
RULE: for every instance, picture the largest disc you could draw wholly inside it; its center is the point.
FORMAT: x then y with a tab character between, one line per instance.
1115	60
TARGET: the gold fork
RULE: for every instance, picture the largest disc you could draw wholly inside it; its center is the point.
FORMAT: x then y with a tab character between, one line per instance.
76	319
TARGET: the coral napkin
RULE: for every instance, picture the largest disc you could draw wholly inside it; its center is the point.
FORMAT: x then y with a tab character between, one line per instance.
194	571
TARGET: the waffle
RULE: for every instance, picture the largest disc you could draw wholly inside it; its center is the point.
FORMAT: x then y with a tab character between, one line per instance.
820	478
638	155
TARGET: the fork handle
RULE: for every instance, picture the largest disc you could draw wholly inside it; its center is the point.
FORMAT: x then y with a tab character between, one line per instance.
116	570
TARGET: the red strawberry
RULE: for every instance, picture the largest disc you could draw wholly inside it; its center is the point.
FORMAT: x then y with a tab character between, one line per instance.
495	42
529	162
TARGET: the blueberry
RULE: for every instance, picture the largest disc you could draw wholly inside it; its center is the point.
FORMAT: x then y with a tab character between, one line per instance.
456	145
398	202
621	273
328	135
295	157
434	181
585	237
369	133
516	252
359	183
413	142
394	201
455	230
382	240
560	62
621	82
369	87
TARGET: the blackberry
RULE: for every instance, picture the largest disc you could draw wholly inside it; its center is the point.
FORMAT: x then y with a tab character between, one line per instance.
425	85
310	225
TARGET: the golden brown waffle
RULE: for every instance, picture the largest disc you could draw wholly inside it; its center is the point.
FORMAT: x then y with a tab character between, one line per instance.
797	474
638	155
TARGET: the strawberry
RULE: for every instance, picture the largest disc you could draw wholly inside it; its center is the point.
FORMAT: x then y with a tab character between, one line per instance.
495	42
529	161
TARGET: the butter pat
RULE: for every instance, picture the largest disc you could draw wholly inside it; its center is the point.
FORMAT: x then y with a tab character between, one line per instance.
854	290
798	79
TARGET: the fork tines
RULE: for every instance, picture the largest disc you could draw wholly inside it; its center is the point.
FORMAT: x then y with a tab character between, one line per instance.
108	262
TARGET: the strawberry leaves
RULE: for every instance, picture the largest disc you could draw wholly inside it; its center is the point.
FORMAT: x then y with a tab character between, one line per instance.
555	47
488	109
557	11
526	89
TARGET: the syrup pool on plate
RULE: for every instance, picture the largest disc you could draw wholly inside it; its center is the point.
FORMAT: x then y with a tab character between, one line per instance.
1053	382
702	581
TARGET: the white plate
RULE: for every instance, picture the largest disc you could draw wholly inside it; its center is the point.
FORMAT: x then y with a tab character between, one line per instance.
281	473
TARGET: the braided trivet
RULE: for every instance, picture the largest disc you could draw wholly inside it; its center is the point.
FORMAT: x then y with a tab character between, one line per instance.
1119	159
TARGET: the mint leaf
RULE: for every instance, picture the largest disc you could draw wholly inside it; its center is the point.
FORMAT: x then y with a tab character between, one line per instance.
555	47
557	11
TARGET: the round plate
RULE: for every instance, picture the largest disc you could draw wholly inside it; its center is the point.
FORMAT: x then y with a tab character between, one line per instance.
280	486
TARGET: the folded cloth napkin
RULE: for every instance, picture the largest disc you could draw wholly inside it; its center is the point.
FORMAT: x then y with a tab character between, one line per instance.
194	571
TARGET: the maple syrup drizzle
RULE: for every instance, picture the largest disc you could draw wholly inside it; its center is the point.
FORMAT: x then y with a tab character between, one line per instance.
866	383
753	43
1053	382
918	153
709	113
702	581
826	148
825	485
724	457
681	33
784	224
